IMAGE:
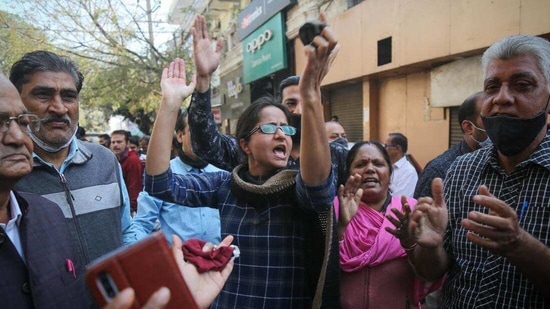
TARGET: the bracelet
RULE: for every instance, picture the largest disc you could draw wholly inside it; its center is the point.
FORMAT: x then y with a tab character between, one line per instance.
410	248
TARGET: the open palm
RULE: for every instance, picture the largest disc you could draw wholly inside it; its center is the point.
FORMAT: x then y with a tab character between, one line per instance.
349	197
207	57
174	82
203	286
429	219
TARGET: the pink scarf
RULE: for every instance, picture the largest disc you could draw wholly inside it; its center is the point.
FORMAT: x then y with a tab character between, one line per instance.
366	242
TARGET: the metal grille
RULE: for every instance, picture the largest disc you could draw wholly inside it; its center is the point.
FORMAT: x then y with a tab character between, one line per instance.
455	131
347	104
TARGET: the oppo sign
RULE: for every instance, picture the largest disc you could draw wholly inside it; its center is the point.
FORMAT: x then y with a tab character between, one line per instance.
264	50
259	41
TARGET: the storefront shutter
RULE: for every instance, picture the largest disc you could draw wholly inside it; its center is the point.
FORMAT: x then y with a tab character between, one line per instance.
347	104
454	128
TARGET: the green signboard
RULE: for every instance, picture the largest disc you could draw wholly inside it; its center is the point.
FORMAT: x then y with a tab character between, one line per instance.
264	50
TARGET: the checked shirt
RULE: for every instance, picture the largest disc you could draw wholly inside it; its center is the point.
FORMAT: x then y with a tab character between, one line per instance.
271	269
476	277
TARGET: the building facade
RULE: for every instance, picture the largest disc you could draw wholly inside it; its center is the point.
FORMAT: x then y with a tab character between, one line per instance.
403	66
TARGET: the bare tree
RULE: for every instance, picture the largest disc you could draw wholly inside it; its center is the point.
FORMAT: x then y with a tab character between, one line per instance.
17	38
116	43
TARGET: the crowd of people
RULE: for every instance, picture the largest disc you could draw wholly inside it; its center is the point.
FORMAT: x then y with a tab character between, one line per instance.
320	222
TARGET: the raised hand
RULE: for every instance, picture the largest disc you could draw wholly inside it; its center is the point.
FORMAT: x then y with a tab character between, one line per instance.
320	55
203	286
401	222
207	57
429	219
498	231
174	84
349	196
315	166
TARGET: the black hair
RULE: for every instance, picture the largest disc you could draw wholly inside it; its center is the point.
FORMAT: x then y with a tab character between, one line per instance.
145	138
355	149
400	140
289	81
122	132
181	122
251	115
104	136
81	133
133	140
43	61
468	110
295	120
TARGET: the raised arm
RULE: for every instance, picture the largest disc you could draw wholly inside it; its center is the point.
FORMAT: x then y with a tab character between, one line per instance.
207	142
174	90
207	58
315	163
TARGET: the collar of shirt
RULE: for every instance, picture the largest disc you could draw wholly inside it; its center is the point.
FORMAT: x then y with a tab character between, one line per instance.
541	156
73	148
179	164
189	169
12	227
400	162
464	148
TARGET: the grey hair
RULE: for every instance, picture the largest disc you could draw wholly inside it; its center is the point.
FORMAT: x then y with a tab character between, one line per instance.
520	45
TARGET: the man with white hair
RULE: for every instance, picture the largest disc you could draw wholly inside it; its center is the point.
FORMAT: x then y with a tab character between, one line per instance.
494	241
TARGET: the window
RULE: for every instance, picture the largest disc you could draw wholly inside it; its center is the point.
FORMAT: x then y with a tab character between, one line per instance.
384	51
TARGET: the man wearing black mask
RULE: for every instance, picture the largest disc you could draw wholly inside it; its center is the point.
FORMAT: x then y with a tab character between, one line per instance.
494	242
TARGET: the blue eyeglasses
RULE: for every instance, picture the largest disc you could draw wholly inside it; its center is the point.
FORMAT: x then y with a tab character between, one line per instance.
269	128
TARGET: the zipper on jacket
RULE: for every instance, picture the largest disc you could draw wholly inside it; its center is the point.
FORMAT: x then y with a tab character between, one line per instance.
70	201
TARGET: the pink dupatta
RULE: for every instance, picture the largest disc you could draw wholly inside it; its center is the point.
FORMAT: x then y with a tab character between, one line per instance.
366	242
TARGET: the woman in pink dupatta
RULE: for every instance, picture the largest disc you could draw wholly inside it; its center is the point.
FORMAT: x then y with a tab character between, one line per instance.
375	272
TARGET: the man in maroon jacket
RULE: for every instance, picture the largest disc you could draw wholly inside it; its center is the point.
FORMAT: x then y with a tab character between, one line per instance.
132	170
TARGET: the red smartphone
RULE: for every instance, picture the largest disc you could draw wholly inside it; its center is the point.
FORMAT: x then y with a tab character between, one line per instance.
144	266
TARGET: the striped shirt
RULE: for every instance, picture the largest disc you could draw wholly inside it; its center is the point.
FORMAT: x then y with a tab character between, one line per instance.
476	277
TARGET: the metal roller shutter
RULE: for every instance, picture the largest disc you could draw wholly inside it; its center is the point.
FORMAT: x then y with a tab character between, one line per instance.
455	130
347	104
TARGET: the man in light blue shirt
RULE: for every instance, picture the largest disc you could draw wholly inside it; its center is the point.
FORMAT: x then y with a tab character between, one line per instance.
186	222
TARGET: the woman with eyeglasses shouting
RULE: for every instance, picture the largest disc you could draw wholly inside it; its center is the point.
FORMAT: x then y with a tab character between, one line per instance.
279	217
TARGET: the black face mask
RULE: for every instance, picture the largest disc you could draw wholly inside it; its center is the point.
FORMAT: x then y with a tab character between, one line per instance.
196	163
295	120
512	135
342	141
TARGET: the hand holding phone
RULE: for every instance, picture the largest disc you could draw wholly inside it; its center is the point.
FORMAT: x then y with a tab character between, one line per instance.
144	266
310	30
